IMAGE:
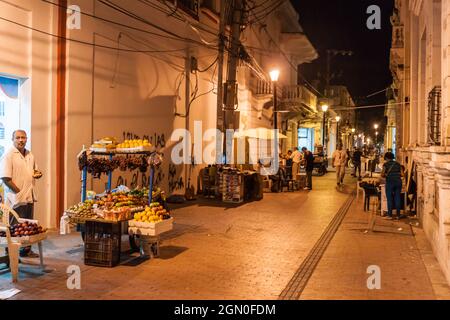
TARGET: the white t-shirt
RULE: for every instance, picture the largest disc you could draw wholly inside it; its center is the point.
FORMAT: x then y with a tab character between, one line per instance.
340	157
20	169
296	156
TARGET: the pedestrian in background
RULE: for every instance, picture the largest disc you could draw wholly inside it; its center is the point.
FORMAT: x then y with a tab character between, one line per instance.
18	171
357	154
339	159
309	166
296	161
289	163
393	173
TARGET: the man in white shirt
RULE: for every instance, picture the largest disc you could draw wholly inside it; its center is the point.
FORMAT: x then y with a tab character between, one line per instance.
297	158
339	160
18	171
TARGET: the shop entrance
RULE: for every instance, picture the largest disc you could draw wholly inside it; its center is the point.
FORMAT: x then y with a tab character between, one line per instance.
14	111
306	138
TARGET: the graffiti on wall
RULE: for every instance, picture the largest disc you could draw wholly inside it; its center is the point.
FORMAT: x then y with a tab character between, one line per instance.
174	182
158	140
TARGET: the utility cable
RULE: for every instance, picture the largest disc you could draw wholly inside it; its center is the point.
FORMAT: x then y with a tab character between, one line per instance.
90	43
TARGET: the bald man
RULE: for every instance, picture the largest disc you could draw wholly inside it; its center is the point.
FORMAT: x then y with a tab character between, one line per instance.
18	171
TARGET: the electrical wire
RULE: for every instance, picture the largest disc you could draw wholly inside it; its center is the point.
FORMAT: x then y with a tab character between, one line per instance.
124	11
89	43
116	23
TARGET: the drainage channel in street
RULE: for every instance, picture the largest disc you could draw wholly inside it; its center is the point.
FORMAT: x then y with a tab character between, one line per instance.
301	277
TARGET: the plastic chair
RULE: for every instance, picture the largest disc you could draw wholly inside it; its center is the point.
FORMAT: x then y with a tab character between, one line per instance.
15	243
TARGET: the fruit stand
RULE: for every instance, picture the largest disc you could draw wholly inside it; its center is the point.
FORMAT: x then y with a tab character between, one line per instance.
101	217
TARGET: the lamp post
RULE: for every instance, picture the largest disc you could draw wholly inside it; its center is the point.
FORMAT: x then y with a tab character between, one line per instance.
274	75
338	118
353	137
324	110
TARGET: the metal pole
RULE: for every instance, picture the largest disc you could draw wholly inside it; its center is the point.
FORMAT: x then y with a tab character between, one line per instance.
275	102
83	184
220	115
323	130
110	176
150	188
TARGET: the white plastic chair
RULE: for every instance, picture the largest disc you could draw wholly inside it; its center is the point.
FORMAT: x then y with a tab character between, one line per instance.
15	243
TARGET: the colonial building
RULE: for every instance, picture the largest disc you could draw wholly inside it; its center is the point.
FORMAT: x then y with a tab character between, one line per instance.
132	69
420	60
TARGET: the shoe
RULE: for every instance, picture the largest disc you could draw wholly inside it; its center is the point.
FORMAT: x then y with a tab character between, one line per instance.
388	218
305	188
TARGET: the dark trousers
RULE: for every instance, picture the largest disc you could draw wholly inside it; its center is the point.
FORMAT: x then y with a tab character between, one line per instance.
309	178
357	168
24	212
393	195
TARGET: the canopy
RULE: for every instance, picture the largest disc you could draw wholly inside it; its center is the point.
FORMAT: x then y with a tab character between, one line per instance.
259	133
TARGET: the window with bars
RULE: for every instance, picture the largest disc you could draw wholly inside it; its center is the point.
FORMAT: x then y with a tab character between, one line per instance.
434	116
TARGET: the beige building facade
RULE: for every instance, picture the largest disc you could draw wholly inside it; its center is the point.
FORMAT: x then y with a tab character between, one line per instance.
420	63
115	75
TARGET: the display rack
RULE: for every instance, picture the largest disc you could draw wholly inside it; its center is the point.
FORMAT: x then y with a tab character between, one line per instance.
232	186
109	184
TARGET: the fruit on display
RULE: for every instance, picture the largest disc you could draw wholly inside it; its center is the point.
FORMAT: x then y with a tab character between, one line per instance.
105	144
24	229
116	204
83	210
152	214
136	143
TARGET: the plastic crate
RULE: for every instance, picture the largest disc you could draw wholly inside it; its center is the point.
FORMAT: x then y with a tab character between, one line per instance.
102	244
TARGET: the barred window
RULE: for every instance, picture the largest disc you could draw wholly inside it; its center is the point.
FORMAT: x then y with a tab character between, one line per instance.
434	116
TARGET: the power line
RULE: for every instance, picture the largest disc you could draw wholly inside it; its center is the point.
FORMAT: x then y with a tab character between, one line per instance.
124	11
119	24
90	43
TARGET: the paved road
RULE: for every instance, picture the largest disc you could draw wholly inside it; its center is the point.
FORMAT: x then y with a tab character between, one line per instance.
246	252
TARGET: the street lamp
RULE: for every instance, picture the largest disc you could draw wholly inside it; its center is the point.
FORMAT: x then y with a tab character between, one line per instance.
376	137
376	126
274	75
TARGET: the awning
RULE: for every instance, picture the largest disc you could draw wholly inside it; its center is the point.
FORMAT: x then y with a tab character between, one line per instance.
259	133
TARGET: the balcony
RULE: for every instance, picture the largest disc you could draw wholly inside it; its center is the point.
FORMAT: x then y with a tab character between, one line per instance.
298	98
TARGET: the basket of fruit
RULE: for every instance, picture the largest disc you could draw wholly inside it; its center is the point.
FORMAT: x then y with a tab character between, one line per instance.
153	221
26	231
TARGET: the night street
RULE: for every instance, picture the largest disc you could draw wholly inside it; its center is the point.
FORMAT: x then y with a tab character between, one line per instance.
254	251
184	153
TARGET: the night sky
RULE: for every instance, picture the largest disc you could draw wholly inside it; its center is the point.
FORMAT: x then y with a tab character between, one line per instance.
341	24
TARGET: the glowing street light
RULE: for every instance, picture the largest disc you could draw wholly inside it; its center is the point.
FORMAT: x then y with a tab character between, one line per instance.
324	108
376	126
274	75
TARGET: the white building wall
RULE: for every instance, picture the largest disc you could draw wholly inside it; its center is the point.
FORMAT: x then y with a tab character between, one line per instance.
28	55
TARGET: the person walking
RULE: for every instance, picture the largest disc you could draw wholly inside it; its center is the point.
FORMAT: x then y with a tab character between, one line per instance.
309	166
339	159
392	171
357	154
18	171
289	164
296	161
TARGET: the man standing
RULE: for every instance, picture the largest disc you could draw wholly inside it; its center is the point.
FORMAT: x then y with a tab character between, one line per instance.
309	165
339	160
357	154
18	171
296	160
